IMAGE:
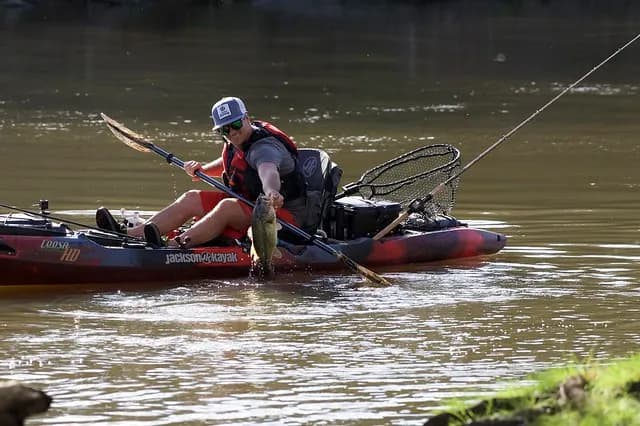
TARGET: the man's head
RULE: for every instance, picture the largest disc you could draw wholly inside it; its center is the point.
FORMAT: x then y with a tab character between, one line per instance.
231	120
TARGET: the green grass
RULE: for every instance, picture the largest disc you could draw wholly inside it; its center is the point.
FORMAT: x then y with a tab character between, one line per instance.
610	396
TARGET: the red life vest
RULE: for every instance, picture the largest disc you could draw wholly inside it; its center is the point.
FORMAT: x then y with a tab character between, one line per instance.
244	180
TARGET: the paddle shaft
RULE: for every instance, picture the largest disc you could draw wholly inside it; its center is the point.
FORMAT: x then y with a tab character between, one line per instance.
172	159
441	186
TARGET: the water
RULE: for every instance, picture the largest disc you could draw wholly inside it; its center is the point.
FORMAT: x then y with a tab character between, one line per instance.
365	84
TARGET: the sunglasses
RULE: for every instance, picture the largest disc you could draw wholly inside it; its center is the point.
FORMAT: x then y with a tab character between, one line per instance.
235	125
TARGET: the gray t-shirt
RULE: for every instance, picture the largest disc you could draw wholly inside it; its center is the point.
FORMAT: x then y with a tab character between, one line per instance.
271	150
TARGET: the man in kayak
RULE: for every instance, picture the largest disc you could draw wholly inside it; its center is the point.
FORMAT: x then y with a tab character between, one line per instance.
256	158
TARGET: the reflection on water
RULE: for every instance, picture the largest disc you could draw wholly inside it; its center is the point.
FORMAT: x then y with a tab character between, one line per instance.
302	350
309	348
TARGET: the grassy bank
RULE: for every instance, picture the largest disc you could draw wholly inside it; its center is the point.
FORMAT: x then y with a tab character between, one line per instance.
591	394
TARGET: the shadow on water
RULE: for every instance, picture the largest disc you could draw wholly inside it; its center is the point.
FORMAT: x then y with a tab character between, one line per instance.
298	283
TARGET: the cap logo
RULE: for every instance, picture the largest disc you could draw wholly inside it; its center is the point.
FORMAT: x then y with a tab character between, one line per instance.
223	111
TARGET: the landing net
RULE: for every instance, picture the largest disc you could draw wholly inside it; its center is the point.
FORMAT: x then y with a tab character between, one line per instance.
412	176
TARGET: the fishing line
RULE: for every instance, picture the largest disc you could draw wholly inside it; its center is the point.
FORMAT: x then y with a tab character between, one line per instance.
532	116
419	203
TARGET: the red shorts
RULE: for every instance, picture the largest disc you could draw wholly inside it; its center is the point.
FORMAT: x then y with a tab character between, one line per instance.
210	199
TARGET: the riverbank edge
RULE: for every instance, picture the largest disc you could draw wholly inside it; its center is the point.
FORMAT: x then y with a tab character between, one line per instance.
588	393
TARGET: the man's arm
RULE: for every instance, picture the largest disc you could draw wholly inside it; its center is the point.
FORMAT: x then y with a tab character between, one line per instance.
214	168
270	178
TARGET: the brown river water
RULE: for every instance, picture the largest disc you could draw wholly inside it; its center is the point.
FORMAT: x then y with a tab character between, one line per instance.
365	81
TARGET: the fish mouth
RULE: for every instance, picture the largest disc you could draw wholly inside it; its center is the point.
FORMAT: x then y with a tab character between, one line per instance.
265	200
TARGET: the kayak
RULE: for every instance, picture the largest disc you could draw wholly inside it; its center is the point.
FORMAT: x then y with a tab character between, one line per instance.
36	250
385	219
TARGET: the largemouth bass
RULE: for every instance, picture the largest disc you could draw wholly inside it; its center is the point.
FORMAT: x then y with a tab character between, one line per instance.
264	236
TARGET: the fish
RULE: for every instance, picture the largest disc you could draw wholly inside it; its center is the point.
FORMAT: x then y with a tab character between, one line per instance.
264	237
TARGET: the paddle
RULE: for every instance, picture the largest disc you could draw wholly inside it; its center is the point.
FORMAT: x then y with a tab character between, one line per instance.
419	202
138	142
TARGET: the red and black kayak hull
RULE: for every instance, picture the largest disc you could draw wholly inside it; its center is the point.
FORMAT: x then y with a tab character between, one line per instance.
76	257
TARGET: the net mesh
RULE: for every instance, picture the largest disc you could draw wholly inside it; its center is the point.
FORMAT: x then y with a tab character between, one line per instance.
412	176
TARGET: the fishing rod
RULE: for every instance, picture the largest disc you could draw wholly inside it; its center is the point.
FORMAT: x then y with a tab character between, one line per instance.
44	205
418	203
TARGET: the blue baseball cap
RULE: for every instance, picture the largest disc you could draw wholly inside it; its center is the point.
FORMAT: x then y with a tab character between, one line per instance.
227	110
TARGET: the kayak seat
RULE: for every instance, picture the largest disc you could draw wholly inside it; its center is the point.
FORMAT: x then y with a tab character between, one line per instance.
322	177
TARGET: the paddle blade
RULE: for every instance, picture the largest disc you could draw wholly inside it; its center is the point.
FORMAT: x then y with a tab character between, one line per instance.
126	135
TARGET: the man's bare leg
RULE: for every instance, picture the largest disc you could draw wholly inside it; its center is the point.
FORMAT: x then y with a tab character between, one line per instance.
174	215
227	213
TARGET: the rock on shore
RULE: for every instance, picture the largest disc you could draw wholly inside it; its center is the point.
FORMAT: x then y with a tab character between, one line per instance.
18	401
